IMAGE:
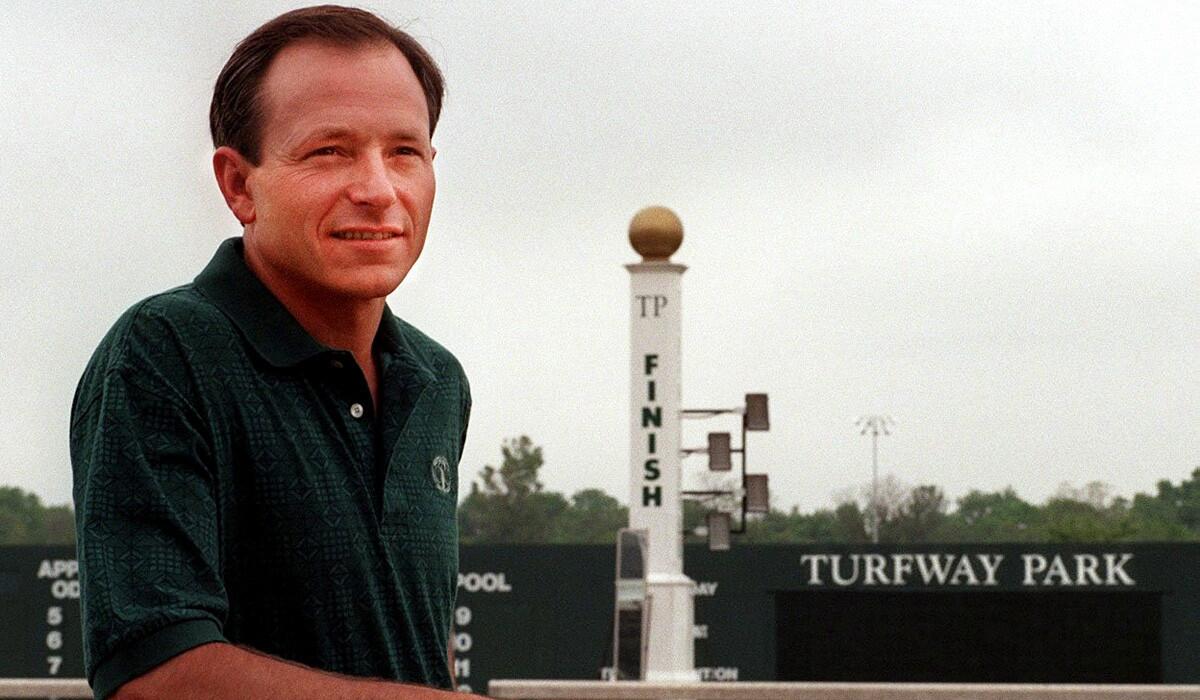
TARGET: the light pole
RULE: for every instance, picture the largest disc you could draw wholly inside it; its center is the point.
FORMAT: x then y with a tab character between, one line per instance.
875	425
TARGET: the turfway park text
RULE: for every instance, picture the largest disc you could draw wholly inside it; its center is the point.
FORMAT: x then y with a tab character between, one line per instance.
934	569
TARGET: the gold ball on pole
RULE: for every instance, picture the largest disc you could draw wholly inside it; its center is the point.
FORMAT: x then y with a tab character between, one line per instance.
655	233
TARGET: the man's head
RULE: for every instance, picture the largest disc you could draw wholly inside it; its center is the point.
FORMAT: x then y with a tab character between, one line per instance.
333	178
236	114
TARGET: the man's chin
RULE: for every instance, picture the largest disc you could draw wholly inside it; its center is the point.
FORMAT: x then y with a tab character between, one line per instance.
379	286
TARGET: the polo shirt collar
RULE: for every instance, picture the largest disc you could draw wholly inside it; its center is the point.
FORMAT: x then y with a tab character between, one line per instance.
265	323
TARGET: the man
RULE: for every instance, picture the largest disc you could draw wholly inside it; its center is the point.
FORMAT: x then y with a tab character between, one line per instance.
265	459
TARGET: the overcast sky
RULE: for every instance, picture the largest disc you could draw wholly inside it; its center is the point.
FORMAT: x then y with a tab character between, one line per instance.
979	218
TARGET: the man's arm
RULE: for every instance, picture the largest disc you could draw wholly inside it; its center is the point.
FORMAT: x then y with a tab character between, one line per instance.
219	671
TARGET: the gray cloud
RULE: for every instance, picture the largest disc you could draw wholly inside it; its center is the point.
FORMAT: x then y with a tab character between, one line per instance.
980	219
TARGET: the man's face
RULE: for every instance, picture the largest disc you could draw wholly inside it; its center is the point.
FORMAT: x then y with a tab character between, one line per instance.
344	188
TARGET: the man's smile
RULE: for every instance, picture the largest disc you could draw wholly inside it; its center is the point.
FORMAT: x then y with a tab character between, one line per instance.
366	235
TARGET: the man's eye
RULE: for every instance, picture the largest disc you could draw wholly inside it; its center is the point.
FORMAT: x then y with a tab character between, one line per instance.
323	151
406	151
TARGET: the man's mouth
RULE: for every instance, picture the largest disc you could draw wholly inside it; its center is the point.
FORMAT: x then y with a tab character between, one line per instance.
365	235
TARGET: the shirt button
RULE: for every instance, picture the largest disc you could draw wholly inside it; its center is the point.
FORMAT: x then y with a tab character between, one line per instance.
336	364
356	410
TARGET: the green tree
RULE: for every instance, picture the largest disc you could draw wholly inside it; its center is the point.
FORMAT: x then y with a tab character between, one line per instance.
25	520
694	514
1171	514
778	527
917	518
850	524
517	476
58	525
507	504
592	518
1071	520
999	516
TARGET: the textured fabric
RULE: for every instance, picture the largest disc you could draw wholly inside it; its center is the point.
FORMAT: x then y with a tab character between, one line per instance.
233	482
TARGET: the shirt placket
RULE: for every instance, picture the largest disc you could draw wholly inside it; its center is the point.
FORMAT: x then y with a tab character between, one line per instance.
356	408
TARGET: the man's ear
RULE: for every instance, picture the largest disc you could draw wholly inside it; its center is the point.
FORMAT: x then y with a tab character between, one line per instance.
232	170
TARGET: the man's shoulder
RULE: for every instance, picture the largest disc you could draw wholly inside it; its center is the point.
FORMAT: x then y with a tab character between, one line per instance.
181	312
168	324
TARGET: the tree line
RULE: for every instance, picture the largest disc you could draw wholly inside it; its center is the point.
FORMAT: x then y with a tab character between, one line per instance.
510	504
24	519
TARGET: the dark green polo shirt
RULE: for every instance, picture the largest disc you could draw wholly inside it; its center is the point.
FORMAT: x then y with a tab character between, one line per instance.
233	482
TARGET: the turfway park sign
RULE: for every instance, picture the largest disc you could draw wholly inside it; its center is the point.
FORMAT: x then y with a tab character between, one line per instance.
1054	613
939	569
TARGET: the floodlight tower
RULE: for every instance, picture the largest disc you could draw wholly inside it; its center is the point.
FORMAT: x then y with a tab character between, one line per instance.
875	426
754	494
655	457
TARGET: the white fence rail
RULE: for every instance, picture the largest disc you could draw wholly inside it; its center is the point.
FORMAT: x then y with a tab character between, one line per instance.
44	688
625	690
602	690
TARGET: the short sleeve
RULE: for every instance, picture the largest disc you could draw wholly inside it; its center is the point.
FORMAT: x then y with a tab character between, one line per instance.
465	412
147	522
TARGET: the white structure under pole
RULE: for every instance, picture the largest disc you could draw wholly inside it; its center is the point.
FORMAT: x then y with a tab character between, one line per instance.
655	455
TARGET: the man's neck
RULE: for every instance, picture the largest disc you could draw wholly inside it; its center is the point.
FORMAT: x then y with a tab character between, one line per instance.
344	323
350	326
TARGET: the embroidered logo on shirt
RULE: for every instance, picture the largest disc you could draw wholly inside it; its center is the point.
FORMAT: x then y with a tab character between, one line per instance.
441	473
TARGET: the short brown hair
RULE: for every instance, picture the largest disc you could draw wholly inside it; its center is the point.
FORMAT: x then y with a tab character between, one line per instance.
235	117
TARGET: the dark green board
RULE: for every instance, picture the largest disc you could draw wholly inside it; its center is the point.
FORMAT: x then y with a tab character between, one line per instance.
40	635
1120	613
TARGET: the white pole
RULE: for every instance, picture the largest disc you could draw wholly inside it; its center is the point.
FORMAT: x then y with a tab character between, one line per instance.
654	499
875	485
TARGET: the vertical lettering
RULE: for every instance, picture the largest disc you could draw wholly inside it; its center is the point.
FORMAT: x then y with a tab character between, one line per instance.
651	362
650	390
650	417
651	495
650	436
651	469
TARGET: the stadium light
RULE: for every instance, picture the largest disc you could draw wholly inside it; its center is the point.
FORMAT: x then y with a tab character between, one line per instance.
718	531
756	417
719	449
758	496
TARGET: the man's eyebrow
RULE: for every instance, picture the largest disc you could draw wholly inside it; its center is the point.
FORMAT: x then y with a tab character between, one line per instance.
328	132
341	132
406	134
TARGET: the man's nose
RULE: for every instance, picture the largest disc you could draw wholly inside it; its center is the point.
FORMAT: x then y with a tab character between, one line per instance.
372	183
